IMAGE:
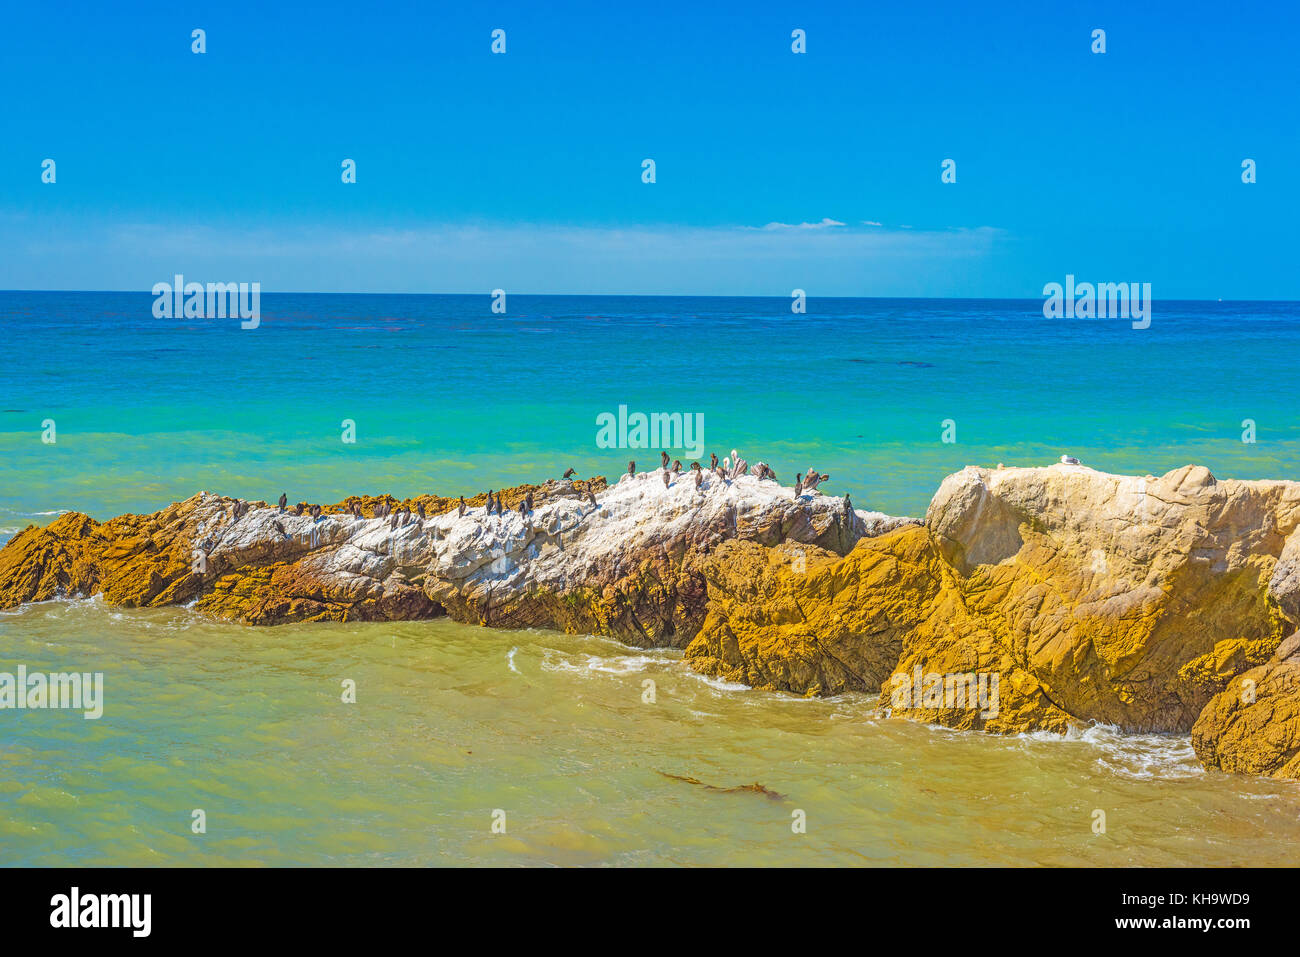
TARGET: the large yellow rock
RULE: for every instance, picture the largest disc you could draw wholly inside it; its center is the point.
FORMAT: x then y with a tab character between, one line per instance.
801	619
1080	596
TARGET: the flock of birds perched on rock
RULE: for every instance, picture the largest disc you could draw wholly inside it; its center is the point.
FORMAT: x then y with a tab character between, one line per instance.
726	471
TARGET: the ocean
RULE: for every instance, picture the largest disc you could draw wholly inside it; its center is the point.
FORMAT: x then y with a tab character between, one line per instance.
454	723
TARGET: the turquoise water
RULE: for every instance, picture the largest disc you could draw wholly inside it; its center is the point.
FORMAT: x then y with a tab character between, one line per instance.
448	397
453	722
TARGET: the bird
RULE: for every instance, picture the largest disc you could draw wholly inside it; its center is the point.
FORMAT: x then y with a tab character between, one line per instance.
699	477
489	502
569	473
315	512
591	496
664	463
392	522
717	470
356	510
848	506
528	501
713	461
523	508
284	500
419	508
666	479
1069	460
695	466
798	487
278	527
631	467
460	512
812	480
677	465
298	509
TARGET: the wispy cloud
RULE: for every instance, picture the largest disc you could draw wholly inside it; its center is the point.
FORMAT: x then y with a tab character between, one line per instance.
826	223
825	258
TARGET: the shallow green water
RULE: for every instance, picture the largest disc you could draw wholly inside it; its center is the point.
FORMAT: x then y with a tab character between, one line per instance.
453	722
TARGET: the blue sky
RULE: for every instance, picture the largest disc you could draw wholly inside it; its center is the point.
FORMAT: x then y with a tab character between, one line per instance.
524	170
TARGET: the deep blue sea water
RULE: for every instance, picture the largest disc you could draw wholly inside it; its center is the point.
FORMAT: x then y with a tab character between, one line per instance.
448	397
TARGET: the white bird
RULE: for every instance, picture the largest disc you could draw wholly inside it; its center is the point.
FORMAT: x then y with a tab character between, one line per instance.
1069	460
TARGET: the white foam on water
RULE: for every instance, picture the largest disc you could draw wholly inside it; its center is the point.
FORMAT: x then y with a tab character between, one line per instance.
510	660
718	684
1135	756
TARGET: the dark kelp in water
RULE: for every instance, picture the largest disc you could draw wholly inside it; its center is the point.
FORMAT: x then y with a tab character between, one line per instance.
752	788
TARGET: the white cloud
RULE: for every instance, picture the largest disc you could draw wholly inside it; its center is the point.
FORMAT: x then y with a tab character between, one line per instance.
826	223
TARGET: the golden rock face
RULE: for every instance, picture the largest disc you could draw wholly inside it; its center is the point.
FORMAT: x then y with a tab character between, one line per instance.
1131	602
1253	725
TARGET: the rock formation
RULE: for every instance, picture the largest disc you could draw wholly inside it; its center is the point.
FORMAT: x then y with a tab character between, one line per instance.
627	568
1092	597
1030	599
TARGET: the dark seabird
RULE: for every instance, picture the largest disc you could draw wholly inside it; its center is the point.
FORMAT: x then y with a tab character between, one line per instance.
695	466
664	463
798	486
315	512
713	460
666	480
591	497
278	527
460	512
392	522
569	474
489	502
677	465
297	509
419	508
699	478
284	500
356	510
848	506
631	468
523	509
528	501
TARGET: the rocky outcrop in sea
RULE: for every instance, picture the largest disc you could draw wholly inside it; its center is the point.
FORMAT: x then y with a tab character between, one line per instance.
1029	599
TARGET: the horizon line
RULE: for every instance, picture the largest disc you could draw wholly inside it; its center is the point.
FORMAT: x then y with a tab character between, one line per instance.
635	295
